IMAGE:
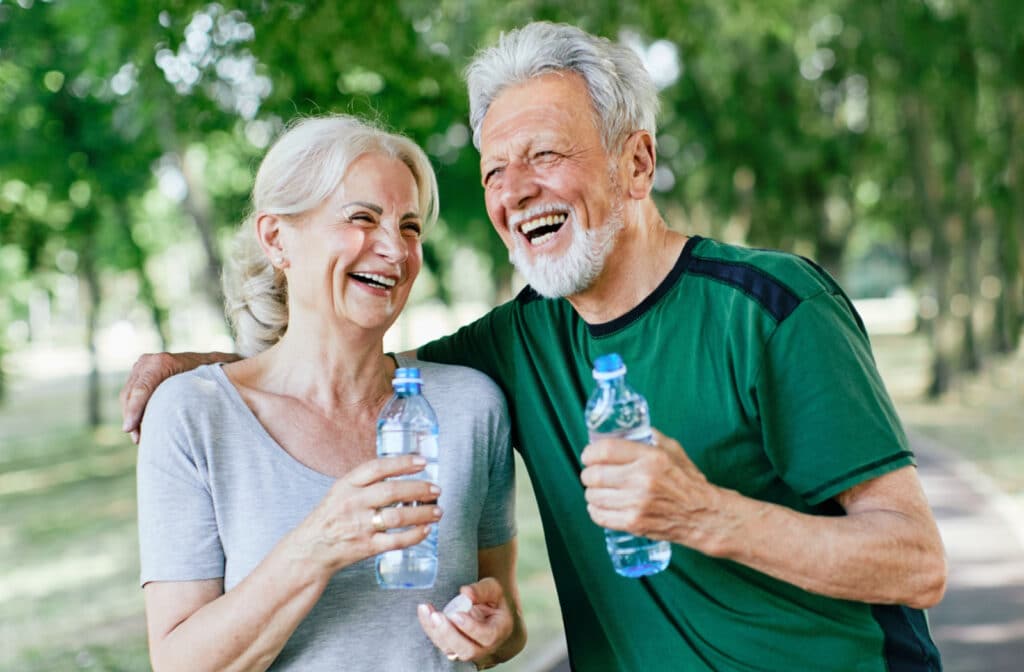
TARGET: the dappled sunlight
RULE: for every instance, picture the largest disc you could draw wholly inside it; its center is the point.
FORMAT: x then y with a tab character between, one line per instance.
991	574
63	574
985	633
88	466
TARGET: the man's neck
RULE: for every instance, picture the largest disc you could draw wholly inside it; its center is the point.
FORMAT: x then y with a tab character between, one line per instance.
643	256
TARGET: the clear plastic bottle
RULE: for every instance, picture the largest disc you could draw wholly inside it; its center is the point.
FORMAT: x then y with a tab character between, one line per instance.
616	410
408	426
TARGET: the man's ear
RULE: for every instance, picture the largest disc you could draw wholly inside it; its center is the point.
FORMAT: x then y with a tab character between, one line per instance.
268	233
639	157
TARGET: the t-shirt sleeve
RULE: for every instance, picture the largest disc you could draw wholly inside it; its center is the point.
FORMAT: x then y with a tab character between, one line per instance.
828	422
477	345
178	535
497	518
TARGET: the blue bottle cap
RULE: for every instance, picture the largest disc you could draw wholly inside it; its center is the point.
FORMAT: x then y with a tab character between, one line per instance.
407	375
609	366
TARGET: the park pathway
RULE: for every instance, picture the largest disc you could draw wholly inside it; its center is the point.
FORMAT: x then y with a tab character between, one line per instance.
979	626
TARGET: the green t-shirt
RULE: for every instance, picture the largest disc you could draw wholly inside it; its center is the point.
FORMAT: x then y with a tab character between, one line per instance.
757	364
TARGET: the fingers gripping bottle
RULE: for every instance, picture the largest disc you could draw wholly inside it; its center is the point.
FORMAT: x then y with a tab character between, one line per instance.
616	410
408	426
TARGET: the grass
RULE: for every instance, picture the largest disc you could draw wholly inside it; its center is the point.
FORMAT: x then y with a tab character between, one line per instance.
69	597
979	418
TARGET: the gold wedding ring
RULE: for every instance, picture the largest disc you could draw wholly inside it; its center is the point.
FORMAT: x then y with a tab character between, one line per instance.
378	522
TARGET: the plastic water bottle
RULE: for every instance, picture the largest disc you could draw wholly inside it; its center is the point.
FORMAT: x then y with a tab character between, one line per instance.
616	410
408	426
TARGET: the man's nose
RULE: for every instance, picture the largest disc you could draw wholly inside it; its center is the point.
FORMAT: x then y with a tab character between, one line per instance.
519	187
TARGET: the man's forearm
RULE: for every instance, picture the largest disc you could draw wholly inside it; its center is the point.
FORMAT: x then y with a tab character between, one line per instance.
873	554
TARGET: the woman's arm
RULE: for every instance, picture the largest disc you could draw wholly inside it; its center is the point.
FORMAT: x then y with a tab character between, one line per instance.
492	629
196	626
500	562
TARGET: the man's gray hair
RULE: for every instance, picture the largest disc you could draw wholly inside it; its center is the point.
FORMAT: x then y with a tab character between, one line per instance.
621	90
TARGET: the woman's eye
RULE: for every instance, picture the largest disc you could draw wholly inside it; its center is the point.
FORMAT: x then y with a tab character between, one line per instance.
412	229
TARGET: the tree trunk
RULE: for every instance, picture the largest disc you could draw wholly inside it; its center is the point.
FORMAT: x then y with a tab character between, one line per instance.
147	293
1011	227
197	204
3	374
91	278
964	237
926	188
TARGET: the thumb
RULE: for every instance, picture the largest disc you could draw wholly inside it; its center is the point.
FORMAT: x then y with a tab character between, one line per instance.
485	591
665	442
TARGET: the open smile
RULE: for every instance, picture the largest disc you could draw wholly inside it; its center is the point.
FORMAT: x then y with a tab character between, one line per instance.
541	228
374	280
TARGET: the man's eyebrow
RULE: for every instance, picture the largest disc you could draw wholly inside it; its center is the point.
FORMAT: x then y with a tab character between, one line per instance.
370	206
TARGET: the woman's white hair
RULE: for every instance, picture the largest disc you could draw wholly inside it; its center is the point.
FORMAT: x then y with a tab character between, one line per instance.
303	167
621	90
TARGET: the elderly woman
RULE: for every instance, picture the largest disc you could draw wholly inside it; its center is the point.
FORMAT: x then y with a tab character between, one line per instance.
261	502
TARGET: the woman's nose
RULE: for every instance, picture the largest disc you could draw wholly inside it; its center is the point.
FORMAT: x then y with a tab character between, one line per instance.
390	244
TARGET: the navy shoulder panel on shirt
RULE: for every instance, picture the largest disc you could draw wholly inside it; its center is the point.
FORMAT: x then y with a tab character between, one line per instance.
777	281
775	297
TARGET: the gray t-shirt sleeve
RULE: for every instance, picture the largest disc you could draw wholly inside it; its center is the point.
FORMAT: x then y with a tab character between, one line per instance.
178	535
497	519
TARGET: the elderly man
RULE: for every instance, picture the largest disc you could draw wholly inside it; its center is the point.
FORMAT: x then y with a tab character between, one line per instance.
802	539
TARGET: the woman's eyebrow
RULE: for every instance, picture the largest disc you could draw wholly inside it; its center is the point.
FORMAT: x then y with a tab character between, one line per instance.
370	206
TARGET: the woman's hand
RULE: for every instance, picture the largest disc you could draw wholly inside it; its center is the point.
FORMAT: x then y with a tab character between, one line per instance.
355	519
477	633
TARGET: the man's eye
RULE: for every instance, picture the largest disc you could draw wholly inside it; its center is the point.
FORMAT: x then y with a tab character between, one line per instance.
545	155
492	174
361	217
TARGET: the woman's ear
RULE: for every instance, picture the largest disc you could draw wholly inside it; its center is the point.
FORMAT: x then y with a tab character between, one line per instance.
639	155
268	233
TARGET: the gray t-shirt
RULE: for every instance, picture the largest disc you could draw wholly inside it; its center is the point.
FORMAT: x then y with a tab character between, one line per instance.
216	493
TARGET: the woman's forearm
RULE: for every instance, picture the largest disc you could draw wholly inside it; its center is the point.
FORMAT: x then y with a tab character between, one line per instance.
246	627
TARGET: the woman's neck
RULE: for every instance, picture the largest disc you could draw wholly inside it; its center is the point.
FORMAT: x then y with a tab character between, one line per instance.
331	369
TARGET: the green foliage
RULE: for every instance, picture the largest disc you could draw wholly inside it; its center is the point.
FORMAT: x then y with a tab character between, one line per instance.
788	123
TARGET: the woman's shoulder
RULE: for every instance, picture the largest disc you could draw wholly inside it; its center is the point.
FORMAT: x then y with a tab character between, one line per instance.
449	374
196	390
457	382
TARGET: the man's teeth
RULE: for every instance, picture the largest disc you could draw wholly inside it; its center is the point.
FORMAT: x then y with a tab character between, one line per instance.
548	220
542	238
376	279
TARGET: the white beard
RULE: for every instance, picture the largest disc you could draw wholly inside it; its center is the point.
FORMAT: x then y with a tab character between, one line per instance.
553	276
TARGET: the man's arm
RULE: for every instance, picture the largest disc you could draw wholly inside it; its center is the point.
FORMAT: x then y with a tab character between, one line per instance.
885	550
147	374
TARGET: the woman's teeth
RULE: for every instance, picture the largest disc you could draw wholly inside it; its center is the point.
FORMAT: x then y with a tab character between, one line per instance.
374	279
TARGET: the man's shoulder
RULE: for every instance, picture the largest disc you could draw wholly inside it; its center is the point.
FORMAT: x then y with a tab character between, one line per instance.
778	280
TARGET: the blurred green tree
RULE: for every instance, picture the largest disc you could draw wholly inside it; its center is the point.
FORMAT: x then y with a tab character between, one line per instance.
799	124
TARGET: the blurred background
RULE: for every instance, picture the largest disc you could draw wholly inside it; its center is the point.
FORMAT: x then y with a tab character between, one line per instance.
883	139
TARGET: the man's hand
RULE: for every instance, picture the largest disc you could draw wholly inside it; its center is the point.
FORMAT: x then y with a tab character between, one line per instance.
473	635
649	491
151	370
